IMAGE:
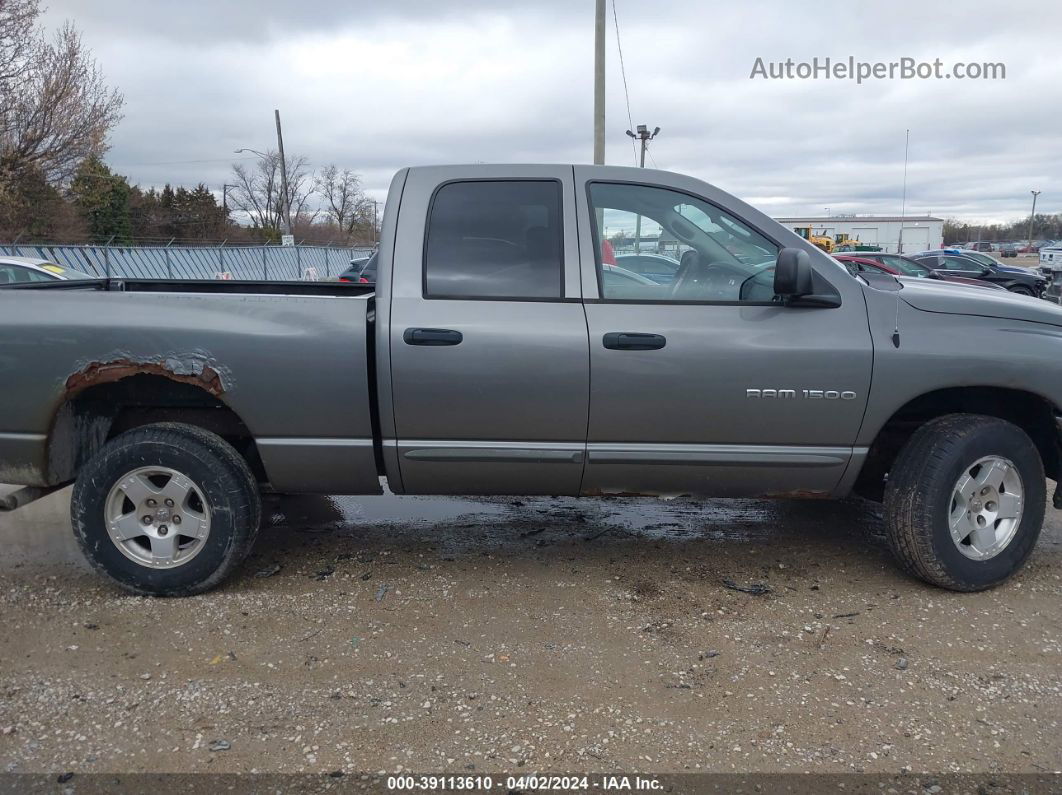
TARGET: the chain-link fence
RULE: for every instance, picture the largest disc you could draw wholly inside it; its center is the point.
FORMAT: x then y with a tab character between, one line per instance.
268	263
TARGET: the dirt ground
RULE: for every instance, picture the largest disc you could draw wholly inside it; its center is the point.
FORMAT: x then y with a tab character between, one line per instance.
403	634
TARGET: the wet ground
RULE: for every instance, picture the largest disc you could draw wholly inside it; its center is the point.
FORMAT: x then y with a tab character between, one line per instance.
388	634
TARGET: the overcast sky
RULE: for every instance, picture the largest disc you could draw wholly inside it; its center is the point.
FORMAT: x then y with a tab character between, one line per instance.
377	86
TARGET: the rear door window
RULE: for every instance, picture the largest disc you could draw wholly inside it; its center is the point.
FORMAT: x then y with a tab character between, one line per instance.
499	239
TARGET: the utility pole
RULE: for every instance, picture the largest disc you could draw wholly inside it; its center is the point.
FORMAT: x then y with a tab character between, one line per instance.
1032	216
225	199
286	198
645	137
599	83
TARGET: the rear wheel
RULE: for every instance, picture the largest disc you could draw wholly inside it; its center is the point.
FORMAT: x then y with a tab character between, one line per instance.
166	509
965	502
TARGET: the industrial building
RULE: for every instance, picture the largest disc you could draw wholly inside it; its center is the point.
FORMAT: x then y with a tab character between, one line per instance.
920	232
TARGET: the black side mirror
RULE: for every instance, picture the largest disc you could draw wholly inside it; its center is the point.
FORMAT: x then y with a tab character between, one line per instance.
792	273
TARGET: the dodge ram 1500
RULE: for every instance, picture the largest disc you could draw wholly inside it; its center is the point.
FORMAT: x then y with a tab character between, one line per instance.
496	355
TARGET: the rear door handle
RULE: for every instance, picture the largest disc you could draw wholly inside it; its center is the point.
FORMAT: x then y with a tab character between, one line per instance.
432	336
634	341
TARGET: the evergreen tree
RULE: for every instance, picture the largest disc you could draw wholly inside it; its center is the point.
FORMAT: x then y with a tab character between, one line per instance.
102	198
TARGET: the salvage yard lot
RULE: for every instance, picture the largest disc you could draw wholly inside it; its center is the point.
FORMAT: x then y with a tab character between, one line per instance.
388	634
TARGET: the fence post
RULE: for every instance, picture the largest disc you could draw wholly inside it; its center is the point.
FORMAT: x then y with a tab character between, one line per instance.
169	266
265	263
221	255
298	262
328	261
107	257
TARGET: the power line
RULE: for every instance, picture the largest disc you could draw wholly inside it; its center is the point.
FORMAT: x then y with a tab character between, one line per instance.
188	162
623	73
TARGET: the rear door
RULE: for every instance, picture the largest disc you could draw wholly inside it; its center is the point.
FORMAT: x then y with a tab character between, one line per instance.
488	342
707	385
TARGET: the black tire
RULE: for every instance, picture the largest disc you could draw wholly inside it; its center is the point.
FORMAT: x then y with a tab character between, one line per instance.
918	500
1019	289
228	487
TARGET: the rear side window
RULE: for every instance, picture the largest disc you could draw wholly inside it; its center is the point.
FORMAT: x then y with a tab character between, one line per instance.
495	239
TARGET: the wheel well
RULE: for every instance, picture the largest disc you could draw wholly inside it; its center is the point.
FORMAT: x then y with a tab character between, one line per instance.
1032	413
98	413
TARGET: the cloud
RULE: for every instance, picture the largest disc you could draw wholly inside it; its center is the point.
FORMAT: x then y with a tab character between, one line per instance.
375	87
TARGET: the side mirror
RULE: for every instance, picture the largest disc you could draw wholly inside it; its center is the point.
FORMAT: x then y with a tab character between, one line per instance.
792	273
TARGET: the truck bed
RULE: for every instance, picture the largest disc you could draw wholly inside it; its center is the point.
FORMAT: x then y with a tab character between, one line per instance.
282	368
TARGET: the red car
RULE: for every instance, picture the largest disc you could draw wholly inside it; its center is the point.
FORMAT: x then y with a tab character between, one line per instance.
902	266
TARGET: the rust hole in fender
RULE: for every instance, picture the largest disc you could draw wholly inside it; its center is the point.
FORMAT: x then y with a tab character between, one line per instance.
203	376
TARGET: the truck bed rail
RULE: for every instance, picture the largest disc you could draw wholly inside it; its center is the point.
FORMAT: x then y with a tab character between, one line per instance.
236	286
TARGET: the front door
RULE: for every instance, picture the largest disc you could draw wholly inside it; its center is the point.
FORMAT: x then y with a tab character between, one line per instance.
488	346
706	384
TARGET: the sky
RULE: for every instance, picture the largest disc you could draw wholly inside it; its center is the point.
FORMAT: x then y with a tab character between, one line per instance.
377	86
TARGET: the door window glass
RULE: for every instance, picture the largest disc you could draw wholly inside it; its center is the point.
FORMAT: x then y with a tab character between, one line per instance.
495	239
705	254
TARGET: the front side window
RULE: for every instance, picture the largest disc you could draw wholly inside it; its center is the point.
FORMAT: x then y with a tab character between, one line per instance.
495	239
699	252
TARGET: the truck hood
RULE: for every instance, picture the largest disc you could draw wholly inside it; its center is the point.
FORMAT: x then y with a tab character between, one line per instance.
930	295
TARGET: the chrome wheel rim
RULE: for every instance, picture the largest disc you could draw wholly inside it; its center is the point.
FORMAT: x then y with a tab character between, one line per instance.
986	507
157	517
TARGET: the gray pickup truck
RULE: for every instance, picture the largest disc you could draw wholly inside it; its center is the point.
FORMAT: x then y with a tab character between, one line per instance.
511	346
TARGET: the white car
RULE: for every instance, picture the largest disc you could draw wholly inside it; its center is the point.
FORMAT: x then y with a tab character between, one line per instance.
22	270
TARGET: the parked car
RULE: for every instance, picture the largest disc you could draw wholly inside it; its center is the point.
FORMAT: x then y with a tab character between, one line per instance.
361	271
496	359
979	245
658	267
1008	250
1018	280
1051	269
22	270
353	273
898	265
617	281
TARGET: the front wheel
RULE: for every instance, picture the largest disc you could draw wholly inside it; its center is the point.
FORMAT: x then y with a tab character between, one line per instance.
166	509
965	500
1021	290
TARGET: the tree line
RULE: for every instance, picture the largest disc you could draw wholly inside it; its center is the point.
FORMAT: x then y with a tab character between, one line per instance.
56	112
1046	226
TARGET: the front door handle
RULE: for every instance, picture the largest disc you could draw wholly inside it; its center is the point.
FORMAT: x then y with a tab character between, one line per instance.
432	336
634	341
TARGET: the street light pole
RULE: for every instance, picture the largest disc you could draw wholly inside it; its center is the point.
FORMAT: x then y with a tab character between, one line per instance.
1032	216
645	137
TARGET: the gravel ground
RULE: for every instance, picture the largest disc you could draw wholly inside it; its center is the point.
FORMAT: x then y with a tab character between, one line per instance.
403	634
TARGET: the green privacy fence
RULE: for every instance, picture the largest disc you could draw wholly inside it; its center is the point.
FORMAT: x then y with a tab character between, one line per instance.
268	263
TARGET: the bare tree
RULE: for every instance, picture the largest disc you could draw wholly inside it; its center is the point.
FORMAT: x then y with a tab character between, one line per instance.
347	205
59	109
17	18
258	190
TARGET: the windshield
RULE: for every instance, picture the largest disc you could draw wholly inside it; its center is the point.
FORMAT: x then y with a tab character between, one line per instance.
909	268
66	273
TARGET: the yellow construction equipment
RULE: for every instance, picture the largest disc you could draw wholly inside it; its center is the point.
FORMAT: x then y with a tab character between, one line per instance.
821	241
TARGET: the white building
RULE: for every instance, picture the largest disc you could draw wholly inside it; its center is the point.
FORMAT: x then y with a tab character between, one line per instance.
920	232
